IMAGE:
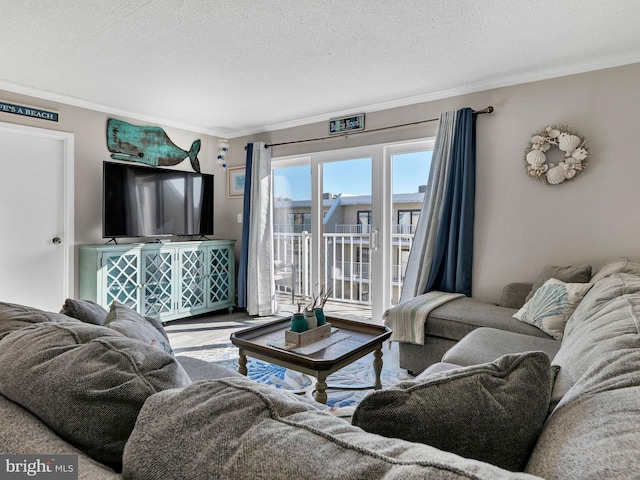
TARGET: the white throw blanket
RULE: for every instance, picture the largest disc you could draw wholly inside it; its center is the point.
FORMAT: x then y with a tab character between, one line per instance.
407	319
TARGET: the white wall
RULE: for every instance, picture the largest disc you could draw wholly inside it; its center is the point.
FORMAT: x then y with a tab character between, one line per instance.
521	224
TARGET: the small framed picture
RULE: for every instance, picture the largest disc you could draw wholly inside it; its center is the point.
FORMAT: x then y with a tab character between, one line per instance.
236	181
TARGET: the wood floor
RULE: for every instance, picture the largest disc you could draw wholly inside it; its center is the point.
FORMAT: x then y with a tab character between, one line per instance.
193	336
206	336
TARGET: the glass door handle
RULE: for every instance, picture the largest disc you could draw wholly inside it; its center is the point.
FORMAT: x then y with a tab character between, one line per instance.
373	242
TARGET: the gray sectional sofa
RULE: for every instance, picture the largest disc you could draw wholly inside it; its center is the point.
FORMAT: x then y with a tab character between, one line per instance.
592	427
131	410
449	323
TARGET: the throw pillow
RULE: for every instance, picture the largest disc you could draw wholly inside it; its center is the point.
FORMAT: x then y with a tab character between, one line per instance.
14	317
131	324
579	274
617	265
87	383
492	412
85	311
552	305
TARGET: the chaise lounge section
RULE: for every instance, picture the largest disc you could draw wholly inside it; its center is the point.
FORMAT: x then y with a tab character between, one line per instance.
447	324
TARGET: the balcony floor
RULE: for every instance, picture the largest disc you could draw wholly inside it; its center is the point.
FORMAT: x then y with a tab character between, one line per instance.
346	310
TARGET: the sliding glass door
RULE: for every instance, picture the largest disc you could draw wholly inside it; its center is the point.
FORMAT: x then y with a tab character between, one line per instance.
410	166
347	237
343	222
292	229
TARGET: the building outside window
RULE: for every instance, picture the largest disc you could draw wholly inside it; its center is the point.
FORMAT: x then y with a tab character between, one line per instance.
300	220
364	218
407	220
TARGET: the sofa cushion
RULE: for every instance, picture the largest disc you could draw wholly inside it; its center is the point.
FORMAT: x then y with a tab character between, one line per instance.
201	370
133	325
616	265
487	344
87	383
593	432
14	317
436	368
23	433
606	321
235	428
514	294
570	274
457	318
85	311
551	306
491	412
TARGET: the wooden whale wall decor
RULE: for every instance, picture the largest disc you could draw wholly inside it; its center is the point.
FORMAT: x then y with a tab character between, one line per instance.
148	145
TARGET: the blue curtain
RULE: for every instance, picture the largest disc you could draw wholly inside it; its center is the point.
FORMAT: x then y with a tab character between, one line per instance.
424	241
451	267
246	215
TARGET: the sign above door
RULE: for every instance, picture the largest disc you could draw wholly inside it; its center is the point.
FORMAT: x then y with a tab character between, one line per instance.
28	111
352	123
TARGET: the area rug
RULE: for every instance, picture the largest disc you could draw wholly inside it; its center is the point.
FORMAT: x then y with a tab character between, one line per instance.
358	373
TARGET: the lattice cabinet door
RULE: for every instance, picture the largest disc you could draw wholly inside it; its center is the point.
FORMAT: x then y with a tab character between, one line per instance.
121	278
221	277
192	283
158	283
168	281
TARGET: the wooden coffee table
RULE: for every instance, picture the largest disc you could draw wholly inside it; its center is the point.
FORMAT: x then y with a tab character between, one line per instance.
357	340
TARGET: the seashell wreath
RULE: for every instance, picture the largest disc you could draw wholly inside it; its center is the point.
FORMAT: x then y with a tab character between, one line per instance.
575	155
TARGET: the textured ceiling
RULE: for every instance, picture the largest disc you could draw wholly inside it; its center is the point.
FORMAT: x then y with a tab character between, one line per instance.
232	67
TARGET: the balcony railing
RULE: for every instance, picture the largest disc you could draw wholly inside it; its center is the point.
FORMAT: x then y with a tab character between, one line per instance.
358	229
287	228
345	264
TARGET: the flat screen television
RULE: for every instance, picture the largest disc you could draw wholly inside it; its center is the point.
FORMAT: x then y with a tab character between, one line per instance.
140	201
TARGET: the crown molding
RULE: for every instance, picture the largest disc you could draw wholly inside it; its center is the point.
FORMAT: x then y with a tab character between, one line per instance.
490	84
505	81
76	102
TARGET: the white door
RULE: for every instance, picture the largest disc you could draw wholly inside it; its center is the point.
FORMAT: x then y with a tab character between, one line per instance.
36	216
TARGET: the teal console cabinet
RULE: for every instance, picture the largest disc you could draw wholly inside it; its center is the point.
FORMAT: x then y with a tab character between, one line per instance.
162	280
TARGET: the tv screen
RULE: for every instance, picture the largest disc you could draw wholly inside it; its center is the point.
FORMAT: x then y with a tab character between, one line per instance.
141	201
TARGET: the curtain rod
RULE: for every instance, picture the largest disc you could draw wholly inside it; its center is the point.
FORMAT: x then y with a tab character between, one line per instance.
489	109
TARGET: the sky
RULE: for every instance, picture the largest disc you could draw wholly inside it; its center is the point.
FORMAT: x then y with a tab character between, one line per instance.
353	177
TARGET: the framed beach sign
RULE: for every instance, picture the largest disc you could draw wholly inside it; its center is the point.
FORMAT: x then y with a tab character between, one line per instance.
236	181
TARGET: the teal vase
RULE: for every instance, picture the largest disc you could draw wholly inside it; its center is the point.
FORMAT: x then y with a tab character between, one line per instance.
320	316
298	323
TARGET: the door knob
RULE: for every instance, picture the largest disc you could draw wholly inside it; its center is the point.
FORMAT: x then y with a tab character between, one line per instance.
56	240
